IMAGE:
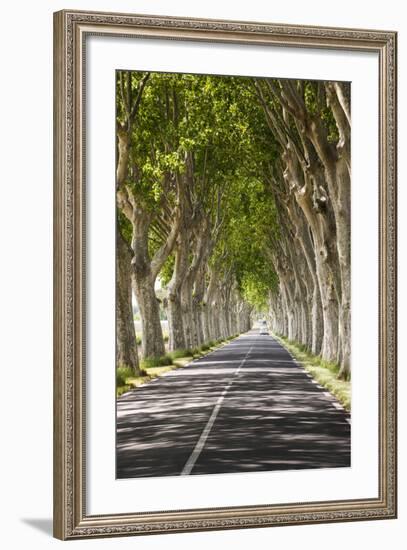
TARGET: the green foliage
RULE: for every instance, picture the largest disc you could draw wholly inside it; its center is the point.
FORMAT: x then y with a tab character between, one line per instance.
316	105
245	238
330	124
215	127
310	97
122	373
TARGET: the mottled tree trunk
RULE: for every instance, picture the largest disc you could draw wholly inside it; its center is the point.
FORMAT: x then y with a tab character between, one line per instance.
206	328
215	317
175	317
143	282
152	336
318	167
225	308
175	323
316	320
192	291
126	346
337	173
187	317
324	243
208	312
197	305
315	327
330	312
339	178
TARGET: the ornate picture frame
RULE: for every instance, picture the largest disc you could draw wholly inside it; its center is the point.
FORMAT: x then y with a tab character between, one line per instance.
71	518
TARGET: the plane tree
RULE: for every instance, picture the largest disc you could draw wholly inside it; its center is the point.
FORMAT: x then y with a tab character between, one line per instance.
236	192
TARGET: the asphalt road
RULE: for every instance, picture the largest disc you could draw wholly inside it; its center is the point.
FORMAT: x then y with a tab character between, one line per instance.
246	407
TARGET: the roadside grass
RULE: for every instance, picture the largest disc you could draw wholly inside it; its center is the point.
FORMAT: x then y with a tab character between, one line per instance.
122	373
324	372
179	353
156	366
156	362
124	376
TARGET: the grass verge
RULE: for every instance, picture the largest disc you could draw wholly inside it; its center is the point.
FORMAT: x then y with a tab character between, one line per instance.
324	372
152	362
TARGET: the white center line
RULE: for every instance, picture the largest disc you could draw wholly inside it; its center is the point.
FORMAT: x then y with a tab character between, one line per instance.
205	433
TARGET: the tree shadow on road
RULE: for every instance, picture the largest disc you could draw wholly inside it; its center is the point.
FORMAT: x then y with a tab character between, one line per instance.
271	418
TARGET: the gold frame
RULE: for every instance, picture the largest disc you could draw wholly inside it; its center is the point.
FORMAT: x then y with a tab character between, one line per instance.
70	31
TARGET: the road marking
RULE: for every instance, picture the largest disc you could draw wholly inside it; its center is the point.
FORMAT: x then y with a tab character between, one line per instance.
206	431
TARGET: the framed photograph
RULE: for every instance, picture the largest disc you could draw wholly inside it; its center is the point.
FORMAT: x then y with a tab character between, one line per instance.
225	274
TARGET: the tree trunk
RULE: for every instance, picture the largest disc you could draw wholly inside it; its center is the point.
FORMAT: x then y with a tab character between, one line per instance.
326	261
215	317
333	161
175	316
337	172
187	318
225	307
192	289
197	305
317	320
143	284
152	335
175	323
207	314
126	346
314	309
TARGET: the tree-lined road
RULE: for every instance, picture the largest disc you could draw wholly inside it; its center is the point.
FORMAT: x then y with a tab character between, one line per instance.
245	407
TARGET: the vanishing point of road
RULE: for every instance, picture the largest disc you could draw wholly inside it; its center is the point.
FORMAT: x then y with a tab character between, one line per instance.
246	407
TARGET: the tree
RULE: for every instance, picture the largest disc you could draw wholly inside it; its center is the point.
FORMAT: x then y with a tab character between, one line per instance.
313	127
126	348
237	191
146	190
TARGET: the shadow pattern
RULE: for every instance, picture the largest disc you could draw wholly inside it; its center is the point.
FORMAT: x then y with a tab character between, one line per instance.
272	417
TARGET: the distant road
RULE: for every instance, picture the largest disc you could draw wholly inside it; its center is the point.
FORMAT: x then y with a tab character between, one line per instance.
246	407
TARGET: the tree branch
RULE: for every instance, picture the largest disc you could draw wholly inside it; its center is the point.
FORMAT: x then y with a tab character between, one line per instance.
165	250
141	86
